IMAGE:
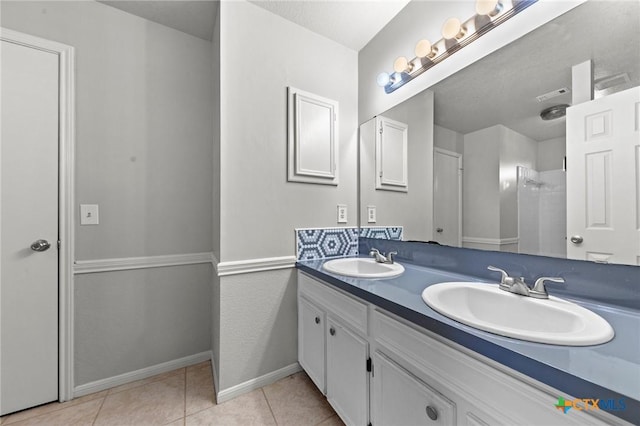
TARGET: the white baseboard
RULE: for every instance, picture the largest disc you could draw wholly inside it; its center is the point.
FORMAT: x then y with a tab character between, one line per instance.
110	382
257	383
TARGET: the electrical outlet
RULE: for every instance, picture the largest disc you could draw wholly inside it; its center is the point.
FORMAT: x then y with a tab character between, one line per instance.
89	214
371	214
342	213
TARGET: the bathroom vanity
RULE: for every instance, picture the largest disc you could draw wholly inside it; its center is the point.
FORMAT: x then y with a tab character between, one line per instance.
383	357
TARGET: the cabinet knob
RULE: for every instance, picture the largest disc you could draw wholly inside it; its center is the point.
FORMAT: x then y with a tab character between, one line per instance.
317	320
432	413
332	331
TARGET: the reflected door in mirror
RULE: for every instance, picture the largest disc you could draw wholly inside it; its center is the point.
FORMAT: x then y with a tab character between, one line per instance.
603	211
447	197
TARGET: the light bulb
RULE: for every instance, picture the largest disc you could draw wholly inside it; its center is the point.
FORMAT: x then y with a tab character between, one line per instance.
452	28
488	7
424	49
383	79
401	64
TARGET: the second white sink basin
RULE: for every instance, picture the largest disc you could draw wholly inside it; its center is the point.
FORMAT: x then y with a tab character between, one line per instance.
363	268
486	307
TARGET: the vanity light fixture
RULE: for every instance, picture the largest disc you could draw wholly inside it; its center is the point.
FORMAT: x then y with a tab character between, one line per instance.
424	49
455	35
453	29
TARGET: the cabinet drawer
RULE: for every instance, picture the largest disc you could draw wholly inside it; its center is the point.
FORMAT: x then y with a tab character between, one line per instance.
348	309
401	398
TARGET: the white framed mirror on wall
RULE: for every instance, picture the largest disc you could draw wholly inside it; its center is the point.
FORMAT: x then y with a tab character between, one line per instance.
513	186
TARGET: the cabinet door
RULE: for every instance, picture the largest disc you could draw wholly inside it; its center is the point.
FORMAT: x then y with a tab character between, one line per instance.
399	398
347	376
311	341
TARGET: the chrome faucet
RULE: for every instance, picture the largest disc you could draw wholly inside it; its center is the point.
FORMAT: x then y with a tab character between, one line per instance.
380	258
518	286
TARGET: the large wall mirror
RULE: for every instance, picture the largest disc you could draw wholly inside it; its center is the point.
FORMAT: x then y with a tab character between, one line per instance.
487	146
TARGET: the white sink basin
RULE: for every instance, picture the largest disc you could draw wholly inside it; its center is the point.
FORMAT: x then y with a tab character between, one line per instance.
363	268
486	307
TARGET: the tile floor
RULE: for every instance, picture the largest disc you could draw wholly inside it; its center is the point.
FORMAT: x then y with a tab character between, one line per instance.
185	397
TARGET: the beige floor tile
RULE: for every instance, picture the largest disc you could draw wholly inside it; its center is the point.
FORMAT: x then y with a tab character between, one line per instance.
200	393
248	409
296	401
79	414
179	422
146	381
49	408
156	403
332	421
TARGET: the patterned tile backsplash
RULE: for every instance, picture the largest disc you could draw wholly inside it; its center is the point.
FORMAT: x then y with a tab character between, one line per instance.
322	243
382	233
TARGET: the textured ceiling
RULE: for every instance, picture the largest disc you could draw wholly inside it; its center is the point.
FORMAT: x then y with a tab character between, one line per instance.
502	87
192	17
351	23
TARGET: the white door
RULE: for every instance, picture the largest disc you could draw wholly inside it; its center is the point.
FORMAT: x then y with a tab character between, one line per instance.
603	180
347	376
29	213
447	197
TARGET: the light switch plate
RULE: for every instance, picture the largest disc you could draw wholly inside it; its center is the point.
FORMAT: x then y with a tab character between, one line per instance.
342	213
89	214
371	214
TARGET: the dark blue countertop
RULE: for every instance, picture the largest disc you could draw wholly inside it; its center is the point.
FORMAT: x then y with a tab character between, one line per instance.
609	371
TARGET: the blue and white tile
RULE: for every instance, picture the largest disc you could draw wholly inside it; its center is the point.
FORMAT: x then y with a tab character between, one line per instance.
323	243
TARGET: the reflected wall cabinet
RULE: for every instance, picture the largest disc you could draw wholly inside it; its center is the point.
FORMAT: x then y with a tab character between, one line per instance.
312	138
391	155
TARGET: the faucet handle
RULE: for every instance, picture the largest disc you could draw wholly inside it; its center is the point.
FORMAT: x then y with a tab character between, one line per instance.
505	279
390	256
539	290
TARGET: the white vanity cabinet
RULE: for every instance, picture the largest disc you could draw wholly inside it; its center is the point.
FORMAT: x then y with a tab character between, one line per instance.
333	347
414	376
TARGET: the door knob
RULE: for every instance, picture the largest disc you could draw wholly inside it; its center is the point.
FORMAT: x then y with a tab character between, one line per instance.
40	245
576	239
439	230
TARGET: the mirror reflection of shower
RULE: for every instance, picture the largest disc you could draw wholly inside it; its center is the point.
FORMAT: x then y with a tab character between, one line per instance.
542	212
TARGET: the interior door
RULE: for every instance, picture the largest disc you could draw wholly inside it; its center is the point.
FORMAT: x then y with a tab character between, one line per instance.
447	197
28	228
603	180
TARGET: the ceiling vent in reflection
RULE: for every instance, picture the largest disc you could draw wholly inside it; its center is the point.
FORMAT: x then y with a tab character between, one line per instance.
611	81
553	94
554	112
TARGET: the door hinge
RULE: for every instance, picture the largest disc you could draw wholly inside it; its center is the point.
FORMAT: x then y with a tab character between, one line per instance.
369	365
59	244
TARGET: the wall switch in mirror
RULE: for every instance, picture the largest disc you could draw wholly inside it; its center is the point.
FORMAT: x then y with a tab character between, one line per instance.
371	214
342	213
89	214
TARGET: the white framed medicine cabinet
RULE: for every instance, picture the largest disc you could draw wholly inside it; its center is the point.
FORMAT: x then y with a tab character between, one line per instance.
391	155
312	138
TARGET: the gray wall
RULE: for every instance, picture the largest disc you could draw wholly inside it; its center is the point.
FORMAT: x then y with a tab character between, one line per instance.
551	154
144	154
262	55
490	203
412	209
259	207
481	177
515	150
448	139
